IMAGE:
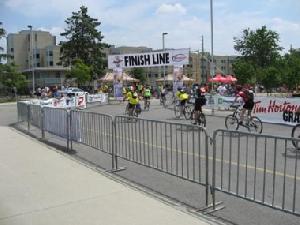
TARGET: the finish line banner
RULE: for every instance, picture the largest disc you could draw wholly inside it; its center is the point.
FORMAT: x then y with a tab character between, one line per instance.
150	59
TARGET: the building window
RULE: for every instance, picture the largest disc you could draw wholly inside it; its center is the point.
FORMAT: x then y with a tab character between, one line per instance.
156	75
50	53
57	75
51	63
38	65
35	36
12	57
37	56
12	49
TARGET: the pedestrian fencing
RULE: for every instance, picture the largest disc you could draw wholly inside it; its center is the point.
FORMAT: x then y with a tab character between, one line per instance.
260	168
174	148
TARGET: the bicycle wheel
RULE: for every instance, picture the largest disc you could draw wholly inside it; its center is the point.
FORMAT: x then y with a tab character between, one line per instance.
177	111
296	134
255	125
231	122
187	112
201	120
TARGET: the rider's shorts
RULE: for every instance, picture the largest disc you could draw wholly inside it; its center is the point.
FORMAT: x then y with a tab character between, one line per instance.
248	105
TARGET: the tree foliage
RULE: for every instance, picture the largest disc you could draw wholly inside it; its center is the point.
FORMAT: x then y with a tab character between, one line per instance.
245	72
81	72
260	60
10	77
259	47
139	73
2	34
84	42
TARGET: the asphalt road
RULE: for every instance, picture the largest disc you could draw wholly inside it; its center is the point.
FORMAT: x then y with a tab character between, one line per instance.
156	149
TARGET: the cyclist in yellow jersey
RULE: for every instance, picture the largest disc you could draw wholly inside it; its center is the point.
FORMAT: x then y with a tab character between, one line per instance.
133	102
182	96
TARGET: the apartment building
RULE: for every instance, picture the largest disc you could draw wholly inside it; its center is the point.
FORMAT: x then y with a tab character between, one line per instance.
37	56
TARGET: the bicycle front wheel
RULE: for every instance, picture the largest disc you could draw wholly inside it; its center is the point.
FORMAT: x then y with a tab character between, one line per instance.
177	111
202	120
255	125
187	112
231	122
296	134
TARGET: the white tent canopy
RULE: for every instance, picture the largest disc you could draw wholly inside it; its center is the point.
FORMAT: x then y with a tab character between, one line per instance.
170	78
109	77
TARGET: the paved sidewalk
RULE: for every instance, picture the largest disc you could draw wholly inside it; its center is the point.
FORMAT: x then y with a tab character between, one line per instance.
39	185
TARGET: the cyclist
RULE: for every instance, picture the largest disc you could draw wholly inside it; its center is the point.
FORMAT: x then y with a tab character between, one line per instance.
200	100
163	94
248	99
133	102
182	96
147	95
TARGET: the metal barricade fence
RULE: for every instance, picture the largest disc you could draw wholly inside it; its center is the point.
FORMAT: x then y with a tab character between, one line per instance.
22	108
260	168
92	129
56	121
177	149
35	115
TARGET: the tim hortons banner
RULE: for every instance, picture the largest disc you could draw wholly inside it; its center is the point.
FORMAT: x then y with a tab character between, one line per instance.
149	59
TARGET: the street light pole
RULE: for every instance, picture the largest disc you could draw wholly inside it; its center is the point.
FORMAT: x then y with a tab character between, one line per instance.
163	43
212	67
32	59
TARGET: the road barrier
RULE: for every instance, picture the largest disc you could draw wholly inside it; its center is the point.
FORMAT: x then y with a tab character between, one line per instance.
260	168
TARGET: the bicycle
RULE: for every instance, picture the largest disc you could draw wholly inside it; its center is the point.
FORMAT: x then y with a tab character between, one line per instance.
232	122
200	120
163	101
147	104
296	134
186	111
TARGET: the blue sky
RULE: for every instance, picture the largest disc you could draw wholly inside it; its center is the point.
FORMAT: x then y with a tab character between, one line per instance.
141	23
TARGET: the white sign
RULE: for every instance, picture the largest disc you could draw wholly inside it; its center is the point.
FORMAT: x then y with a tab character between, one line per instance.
149	59
101	97
277	110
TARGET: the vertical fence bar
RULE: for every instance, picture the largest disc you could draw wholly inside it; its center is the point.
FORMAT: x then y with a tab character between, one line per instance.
214	171
246	167
295	182
238	165
68	129
284	175
43	123
274	172
28	117
171	146
222	159
207	169
265	171
193	149
255	167
166	148
113	145
230	157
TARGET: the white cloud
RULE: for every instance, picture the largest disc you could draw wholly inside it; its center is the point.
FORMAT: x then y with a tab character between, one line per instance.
171	8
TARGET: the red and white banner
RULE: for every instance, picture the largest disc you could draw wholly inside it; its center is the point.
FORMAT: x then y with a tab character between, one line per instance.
277	110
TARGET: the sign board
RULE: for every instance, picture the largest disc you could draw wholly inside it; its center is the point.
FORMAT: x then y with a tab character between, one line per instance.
149	59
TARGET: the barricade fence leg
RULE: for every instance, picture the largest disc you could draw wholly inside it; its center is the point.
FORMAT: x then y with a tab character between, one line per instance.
43	122
28	118
68	129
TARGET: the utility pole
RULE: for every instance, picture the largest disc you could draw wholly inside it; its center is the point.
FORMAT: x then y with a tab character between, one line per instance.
32	59
203	74
164	67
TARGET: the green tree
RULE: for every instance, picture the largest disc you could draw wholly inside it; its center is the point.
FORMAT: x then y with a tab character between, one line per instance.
259	47
244	71
2	34
270	77
139	73
84	42
291	75
10	77
81	72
